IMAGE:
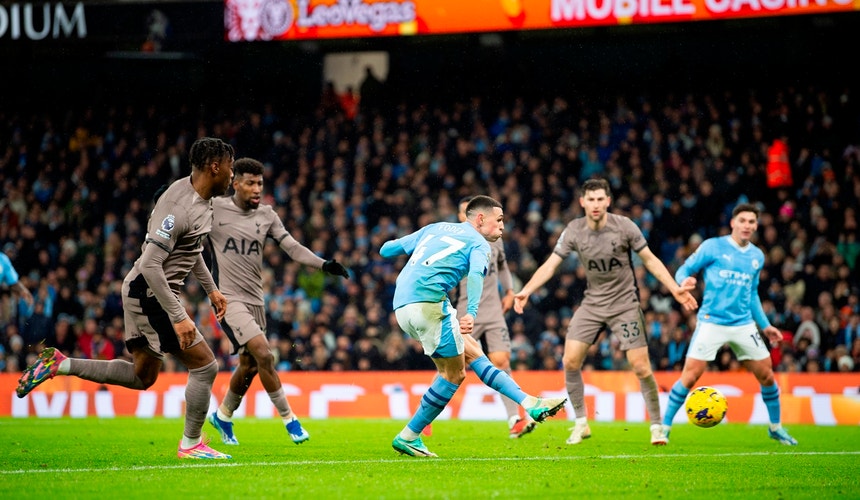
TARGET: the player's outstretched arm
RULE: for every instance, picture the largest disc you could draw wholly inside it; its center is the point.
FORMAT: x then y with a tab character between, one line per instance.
658	269
541	276
300	253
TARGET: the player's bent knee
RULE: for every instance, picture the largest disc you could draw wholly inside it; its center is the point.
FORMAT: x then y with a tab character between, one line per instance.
766	379
207	372
454	376
692	372
146	368
641	370
264	359
689	381
147	379
571	364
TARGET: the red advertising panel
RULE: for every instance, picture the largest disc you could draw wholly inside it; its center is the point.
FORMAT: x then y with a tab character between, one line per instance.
248	20
822	399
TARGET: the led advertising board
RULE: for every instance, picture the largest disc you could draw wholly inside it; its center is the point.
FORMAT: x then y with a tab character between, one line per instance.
250	20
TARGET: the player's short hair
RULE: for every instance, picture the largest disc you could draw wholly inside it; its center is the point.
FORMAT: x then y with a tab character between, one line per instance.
746	207
208	149
595	185
481	202
244	166
466	200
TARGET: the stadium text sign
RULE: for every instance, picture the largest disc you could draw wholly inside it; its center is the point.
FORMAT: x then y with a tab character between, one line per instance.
823	399
250	20
622	11
31	21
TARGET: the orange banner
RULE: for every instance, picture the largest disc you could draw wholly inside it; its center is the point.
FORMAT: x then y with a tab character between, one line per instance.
824	399
247	20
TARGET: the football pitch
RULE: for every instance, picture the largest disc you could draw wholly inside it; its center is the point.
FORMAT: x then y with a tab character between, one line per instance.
136	458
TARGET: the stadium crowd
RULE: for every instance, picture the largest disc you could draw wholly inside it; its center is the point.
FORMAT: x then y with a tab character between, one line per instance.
77	188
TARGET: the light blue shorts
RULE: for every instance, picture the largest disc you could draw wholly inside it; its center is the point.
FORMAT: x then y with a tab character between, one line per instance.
435	325
744	340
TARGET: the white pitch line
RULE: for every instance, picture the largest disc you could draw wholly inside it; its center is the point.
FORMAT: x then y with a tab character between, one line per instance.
402	460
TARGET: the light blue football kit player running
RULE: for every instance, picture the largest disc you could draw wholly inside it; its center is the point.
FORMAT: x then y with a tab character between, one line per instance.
730	312
9	277
441	255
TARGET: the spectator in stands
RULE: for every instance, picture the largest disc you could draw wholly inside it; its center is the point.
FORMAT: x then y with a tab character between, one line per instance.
845	364
349	102
371	92
855	352
808	328
329	100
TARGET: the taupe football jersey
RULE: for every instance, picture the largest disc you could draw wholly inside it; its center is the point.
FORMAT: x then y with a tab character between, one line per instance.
606	256
490	309
237	239
178	223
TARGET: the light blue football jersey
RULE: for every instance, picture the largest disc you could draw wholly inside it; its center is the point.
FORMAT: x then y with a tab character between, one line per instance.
731	275
442	254
8	275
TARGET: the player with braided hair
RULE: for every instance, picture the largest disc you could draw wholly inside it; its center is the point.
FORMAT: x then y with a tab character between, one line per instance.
155	321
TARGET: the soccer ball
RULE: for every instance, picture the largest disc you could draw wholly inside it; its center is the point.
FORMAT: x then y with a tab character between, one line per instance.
706	407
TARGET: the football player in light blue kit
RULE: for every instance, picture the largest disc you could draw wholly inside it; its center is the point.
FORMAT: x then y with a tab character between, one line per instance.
9	277
441	255
731	310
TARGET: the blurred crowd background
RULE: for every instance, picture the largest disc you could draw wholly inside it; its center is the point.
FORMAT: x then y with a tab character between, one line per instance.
78	173
77	189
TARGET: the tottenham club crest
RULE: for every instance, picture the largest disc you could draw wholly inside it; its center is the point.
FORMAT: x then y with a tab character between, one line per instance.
167	225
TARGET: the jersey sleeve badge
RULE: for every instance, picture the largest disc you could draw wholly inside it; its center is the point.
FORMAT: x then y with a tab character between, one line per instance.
167	226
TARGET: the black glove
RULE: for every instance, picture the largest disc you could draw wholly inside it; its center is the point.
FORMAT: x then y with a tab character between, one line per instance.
335	268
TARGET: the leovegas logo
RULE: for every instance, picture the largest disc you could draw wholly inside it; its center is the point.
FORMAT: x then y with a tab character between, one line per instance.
248	20
376	15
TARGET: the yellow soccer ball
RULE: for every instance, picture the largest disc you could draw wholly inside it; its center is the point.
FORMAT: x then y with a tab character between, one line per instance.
706	407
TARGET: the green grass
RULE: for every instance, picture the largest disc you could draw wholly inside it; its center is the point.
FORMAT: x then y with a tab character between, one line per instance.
131	458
